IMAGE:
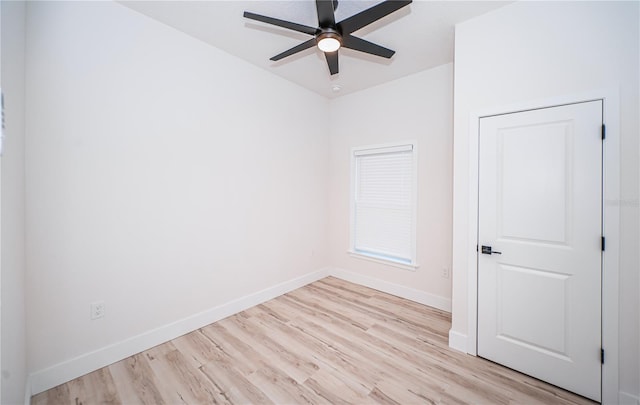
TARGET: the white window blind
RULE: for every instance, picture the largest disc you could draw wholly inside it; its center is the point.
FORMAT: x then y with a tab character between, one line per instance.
383	220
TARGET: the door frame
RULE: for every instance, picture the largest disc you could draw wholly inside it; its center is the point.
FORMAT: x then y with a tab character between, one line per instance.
610	222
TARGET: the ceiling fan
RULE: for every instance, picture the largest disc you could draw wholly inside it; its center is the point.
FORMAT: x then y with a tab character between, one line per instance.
330	36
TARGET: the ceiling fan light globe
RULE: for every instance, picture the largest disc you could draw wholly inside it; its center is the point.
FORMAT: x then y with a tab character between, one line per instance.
329	44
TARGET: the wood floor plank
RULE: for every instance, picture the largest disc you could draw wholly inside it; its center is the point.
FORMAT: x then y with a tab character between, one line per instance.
329	358
329	384
129	388
237	388
95	388
376	357
409	393
378	311
326	308
297	367
246	359
363	292
330	342
281	388
180	382
136	380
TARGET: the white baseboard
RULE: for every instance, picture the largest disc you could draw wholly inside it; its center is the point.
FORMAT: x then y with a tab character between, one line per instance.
73	368
394	289
628	399
457	341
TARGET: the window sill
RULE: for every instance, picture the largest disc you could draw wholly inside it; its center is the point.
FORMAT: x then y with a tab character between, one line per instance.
400	265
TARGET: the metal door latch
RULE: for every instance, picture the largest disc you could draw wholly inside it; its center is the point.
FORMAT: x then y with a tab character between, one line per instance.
487	251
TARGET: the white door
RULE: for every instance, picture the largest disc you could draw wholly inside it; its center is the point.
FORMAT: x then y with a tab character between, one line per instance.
540	215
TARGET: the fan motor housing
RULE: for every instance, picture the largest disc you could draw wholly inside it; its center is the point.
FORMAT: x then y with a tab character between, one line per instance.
326	33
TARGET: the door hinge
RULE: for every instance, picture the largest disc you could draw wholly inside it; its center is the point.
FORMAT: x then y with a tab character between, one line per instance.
602	243
604	131
602	356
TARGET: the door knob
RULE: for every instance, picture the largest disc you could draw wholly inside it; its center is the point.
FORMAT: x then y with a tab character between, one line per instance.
488	251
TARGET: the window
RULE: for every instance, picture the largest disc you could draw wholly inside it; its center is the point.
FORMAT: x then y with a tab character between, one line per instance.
383	203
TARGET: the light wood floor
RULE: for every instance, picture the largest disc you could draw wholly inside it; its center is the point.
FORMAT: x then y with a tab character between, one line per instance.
329	342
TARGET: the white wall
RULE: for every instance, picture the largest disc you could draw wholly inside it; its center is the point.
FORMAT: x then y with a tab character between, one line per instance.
164	177
536	50
12	264
417	107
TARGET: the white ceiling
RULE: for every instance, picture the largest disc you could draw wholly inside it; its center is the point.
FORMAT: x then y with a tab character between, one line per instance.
421	34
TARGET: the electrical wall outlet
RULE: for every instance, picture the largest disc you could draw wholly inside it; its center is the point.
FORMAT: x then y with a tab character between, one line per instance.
97	310
445	272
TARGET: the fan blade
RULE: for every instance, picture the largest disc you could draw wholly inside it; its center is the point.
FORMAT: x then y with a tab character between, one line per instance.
332	61
298	48
326	18
359	44
366	17
281	23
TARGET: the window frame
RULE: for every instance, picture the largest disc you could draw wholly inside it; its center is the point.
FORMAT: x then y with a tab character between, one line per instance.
412	265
